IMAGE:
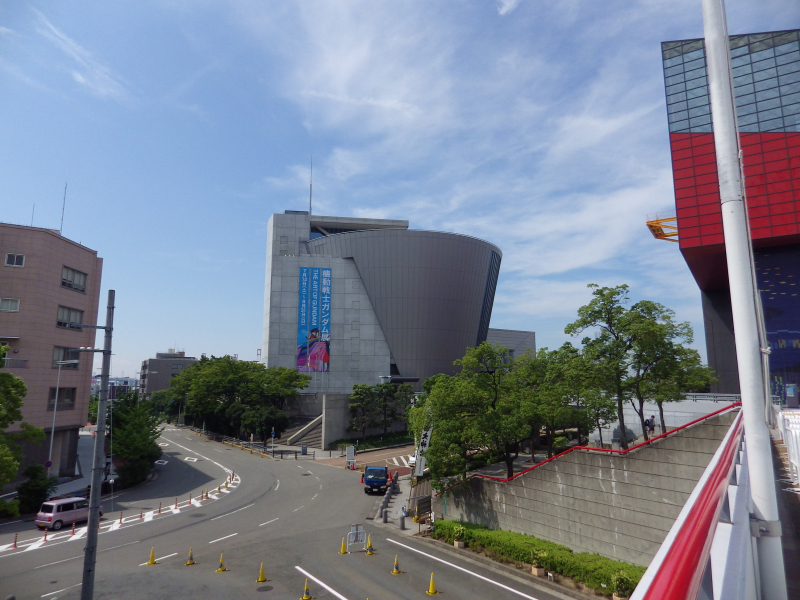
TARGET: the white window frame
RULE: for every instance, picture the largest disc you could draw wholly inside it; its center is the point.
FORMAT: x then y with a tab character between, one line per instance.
7	264
69	281
9	301
70	322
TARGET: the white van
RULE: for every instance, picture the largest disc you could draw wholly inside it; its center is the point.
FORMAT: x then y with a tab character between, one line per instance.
54	514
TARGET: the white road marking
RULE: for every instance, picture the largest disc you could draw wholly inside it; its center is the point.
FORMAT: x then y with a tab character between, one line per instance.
215	450
320	486
162	558
148	516
299	467
223	538
394	461
10	522
79	533
405	461
196	502
310	473
298	508
449	564
314	496
233	511
277	484
34	545
59	591
268	522
57	562
326	586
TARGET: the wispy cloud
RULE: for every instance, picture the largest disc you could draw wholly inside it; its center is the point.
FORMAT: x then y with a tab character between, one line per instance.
85	70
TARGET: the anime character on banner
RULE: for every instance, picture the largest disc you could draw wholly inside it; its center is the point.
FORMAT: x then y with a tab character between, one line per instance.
313	320
312	355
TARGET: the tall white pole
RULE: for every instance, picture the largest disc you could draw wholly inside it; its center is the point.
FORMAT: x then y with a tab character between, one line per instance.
53	428
743	301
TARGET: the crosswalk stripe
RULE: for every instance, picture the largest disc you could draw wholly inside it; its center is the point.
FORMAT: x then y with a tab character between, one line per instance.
394	462
405	461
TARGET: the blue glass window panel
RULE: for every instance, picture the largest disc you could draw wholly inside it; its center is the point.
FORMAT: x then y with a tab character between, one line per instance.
695	73
787	99
679	116
671	62
786	48
679	126
789	78
697	83
790	68
749	128
679	97
694	64
740	60
765	74
791	120
742	80
743	70
698	92
673	70
672	108
700	110
704	120
771	125
745	99
747	109
748	119
772	113
790	88
702	129
791	109
763	64
767	89
743	50
762	54
679	78
693	55
695	102
678	87
789	57
768	104
744	89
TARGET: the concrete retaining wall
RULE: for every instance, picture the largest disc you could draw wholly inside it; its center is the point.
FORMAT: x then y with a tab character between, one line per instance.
620	506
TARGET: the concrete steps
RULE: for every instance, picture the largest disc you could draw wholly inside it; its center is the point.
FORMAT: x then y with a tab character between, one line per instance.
295	425
313	438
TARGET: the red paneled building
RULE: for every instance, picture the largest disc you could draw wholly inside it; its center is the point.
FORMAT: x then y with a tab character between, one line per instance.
766	71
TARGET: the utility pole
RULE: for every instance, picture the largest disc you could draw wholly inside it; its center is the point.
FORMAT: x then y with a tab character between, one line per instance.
98	462
744	302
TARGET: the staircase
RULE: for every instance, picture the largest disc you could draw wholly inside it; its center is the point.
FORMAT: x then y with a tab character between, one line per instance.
295	425
313	438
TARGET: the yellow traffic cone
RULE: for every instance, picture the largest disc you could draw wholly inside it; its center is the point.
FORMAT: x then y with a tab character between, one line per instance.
152	560
306	594
370	549
432	588
226	484
344	548
219	488
261	578
221	568
396	570
190	562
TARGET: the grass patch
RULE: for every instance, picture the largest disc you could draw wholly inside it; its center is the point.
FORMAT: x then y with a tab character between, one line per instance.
592	570
378	441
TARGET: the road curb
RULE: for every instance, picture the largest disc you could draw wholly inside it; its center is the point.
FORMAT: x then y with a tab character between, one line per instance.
499	568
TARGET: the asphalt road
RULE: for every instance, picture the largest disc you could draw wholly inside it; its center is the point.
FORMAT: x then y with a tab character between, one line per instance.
290	515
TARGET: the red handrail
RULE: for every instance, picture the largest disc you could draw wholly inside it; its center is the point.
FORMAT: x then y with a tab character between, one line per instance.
588	448
681	571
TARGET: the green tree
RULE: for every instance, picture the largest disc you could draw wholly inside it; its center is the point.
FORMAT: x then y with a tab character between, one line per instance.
600	410
261	419
135	429
36	489
363	408
93	404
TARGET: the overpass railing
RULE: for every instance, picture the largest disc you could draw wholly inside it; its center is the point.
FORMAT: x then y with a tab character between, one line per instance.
788	422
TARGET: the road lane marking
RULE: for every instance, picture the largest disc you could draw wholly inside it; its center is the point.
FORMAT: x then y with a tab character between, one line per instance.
57	562
449	564
405	461
310	473
277	485
268	522
314	496
148	516
120	546
298	508
394	462
220	451
233	511
319	581
162	558
299	467
34	545
59	591
320	486
10	522
223	538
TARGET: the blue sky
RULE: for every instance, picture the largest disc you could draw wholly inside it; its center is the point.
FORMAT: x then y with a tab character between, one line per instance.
181	126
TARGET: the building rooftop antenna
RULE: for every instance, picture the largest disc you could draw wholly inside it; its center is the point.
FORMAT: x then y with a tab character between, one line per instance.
63	204
310	183
33	212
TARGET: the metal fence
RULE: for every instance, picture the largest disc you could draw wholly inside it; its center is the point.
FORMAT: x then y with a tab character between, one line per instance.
788	422
261	448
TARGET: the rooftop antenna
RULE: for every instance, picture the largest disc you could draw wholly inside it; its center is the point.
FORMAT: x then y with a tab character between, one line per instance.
33	212
310	184
63	204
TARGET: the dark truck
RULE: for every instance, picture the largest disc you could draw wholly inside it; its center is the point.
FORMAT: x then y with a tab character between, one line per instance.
375	479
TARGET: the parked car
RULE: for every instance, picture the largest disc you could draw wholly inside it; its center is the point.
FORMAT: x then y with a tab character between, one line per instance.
54	514
375	479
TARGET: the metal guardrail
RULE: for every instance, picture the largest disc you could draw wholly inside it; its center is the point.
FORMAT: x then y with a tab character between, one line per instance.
260	447
789	426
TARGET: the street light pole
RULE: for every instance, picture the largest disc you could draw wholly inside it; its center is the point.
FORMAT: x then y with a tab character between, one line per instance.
55	409
98	462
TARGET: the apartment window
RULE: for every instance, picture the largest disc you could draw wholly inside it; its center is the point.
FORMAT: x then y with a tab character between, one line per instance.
15	260
73	280
174	366
66	398
9	304
69	318
60	353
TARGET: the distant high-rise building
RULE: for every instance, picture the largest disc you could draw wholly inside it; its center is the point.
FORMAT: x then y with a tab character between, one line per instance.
766	79
157	372
49	289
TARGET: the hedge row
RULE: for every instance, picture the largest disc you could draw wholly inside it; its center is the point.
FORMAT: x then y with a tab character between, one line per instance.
593	570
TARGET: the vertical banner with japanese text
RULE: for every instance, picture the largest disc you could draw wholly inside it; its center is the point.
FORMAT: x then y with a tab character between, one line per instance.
313	320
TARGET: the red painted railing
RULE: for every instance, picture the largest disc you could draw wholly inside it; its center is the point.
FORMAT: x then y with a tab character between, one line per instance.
590	449
680	573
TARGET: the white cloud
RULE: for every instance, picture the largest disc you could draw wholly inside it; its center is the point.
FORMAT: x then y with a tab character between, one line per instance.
506	6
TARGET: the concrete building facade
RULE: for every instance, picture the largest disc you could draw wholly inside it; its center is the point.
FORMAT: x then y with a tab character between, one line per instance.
352	300
157	372
49	287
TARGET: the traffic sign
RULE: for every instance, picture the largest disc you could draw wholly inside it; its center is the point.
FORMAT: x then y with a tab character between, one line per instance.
48	464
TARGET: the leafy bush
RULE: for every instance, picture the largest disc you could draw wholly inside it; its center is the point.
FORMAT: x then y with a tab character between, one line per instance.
622	584
9	508
591	569
377	441
36	490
